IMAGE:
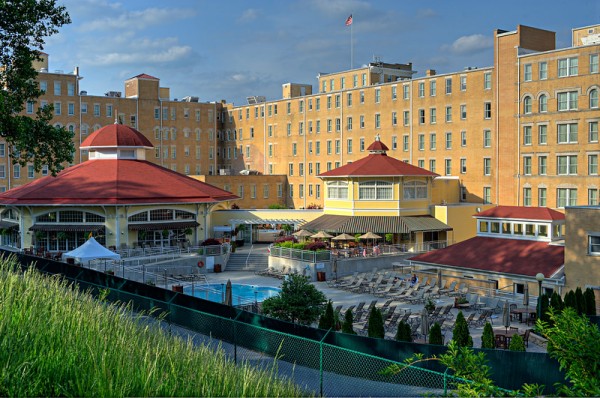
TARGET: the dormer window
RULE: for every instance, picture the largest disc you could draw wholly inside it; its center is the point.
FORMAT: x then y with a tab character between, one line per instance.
127	154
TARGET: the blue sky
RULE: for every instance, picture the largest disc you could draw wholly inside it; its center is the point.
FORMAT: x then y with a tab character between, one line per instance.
237	48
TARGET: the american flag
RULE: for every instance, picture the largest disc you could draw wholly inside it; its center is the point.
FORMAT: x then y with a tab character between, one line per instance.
349	20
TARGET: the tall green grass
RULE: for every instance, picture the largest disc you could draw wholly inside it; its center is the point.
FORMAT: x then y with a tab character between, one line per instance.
57	341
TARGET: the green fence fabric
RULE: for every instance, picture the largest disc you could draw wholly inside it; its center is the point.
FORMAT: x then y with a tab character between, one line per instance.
325	363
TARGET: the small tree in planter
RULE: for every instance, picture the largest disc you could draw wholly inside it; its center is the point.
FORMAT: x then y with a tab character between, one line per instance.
403	332
429	305
389	238
327	320
287	228
348	321
460	333
487	337
435	335
516	343
375	327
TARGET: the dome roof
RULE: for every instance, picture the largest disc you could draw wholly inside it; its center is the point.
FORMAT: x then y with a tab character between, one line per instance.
378	146
116	135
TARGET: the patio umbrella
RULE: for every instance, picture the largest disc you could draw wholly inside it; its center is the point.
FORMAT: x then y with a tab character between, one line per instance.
322	235
370	235
228	294
425	323
343	236
439	278
526	295
302	233
506	315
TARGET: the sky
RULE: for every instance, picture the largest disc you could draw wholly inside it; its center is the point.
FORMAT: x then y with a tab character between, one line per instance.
233	49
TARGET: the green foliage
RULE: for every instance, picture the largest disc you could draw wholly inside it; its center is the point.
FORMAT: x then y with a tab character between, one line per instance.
516	343
60	341
573	342
357	238
429	305
487	337
590	301
435	335
287	228
327	320
544	303
570	300
403	332
460	333
556	302
580	301
375	327
24	28
276	206
348	321
299	301
389	238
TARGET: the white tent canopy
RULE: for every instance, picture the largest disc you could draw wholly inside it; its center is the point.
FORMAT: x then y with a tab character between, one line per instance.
92	250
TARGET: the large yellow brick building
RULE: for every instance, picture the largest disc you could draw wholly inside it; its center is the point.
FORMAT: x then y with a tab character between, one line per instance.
523	131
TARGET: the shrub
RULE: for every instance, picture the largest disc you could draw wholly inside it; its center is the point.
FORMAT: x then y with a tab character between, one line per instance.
314	246
276	206
375	326
516	343
590	301
570	300
435	335
287	238
580	301
210	242
348	321
327	320
403	332
487	337
544	303
299	246
234	206
556	302
460	333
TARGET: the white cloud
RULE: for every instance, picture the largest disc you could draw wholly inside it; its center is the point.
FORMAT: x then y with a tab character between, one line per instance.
143	57
426	13
249	15
470	44
136	20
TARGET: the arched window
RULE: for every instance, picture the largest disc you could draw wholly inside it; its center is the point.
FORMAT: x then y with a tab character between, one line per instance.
415	190
594	99
375	190
527	104
543	103
337	190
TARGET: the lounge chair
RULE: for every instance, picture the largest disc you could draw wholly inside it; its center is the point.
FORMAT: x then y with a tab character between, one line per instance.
449	289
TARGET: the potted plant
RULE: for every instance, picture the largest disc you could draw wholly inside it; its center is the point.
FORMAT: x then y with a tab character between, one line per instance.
39	236
429	305
188	231
61	235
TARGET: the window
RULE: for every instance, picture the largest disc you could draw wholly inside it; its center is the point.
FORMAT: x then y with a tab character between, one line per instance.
291	169
566	197
337	147
448	86
527	72
29	107
394	119
57	88
337	190
421	163
527	139
405	143
317	105
542	165
463	83
329	147
487	195
432	141
567	101
448	140
593	132
361	96
349	123
463	112
349	99
543	70
421	116
487	80
318	127
375	190
421	142
377	120
432	116
448	168
349	146
406	91
463	138
57	108
377	95
568	67
594	244
362	145
487	110
329	102
448	114
394	93
594	63
294	148
362	121
71	108
463	165
487	166
566	165
593	164
16	171
593	99
96	109
43	86
592	197
291	190
421	89
406	118
567	133
317	191
527	165
253	191
288	130
432	165
543	103
542	197
414	190
30	171
337	101
301	169
527	103
487	138
317	147
526	196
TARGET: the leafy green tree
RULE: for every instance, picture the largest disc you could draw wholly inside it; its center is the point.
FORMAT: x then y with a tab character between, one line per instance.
375	327
299	301
556	302
590	301
327	320
435	335
516	343
460	333
24	27
580	301
544	303
570	300
487	337
403	332
348	321
573	342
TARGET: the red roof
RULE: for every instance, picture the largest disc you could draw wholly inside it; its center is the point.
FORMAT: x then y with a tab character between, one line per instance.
508	256
144	76
116	135
378	146
115	181
524	213
378	164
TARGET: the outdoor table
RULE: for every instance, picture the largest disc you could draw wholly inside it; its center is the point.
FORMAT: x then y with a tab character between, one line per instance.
521	311
508	333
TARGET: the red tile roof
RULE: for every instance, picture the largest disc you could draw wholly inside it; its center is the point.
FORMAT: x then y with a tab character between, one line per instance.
115	181
116	135
145	76
378	146
508	256
378	164
521	212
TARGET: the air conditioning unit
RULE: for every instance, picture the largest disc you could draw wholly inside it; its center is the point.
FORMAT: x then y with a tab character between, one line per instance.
224	172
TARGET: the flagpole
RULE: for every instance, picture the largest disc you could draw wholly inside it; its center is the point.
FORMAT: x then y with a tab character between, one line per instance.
351	47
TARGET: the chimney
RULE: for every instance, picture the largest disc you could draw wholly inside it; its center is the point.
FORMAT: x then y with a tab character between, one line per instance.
430	72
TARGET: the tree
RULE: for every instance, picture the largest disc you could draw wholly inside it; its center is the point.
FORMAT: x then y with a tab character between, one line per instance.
556	302
348	321
580	301
435	335
403	332
24	27
487	337
590	301
299	301
573	342
460	333
516	343
544	304
570	300
375	327
327	320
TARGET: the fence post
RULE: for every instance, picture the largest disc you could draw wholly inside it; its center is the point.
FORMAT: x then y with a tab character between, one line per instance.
446	382
235	322
321	362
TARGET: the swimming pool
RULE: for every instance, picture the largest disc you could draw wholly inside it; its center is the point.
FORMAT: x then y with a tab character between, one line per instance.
242	294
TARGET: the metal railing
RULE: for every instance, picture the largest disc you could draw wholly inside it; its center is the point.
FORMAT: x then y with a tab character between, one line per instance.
301	255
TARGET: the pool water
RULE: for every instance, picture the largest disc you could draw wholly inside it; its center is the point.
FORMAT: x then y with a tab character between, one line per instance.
242	294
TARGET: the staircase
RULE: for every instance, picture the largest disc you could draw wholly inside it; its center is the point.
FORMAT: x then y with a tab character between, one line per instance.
255	261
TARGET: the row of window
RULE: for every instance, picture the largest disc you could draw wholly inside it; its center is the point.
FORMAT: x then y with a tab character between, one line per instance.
57	87
565	101
565	164
171	113
566	67
266	190
566	133
564	197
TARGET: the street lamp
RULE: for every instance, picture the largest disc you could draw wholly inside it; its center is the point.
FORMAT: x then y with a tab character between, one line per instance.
222	293
540	278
